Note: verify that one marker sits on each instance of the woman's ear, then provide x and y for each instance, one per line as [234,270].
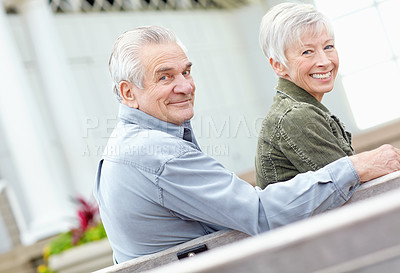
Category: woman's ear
[129,98]
[278,67]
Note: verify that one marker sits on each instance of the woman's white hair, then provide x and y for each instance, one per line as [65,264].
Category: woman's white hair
[284,24]
[125,63]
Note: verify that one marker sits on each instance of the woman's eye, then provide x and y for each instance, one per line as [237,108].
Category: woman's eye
[306,52]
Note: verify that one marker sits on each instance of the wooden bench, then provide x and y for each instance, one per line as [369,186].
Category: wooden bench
[328,240]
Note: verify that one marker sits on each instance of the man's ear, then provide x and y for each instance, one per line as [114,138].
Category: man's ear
[279,68]
[126,90]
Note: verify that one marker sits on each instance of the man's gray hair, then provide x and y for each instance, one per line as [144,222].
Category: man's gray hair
[125,63]
[284,24]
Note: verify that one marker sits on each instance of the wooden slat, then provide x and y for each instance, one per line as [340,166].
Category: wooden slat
[377,186]
[368,190]
[147,262]
[371,139]
[249,177]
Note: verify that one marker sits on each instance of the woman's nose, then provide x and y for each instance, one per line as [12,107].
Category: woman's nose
[323,59]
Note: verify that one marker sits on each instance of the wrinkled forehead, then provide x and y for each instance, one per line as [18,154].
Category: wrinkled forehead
[161,57]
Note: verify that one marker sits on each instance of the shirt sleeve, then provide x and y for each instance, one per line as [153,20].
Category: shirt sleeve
[197,187]
[308,140]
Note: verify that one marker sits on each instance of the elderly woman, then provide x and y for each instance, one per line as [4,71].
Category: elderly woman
[299,134]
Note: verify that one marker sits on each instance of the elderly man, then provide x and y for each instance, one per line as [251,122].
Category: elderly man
[156,188]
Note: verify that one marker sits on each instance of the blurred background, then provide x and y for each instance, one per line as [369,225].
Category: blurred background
[57,108]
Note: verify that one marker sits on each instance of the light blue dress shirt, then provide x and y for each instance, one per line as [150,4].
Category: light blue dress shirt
[156,189]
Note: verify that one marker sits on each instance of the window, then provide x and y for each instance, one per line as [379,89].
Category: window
[368,42]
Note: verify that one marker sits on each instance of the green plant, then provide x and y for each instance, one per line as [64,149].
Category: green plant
[90,229]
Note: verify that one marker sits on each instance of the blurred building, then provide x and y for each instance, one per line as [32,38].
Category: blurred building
[57,108]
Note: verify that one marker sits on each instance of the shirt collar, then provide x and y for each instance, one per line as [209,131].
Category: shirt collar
[296,93]
[131,115]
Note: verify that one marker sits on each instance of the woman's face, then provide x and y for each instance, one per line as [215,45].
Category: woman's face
[312,65]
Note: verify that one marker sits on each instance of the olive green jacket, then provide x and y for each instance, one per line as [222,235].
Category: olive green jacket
[299,134]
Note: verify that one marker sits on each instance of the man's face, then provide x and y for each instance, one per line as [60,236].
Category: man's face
[168,89]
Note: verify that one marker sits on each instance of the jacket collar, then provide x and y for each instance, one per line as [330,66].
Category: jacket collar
[296,93]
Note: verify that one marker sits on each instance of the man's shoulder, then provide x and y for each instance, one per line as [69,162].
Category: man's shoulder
[133,145]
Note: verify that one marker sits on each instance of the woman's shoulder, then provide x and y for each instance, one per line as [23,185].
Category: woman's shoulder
[305,112]
[287,108]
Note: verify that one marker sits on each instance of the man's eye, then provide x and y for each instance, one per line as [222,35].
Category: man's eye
[186,73]
[163,78]
[329,46]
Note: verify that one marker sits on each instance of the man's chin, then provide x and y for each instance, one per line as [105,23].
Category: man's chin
[182,116]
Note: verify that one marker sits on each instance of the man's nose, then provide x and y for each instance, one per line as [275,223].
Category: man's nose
[183,85]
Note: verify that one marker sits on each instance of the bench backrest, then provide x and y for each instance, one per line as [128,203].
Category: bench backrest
[334,239]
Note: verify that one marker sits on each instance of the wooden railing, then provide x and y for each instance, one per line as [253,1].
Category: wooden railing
[385,134]
[358,235]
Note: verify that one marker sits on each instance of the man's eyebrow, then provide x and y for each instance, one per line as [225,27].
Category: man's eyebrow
[163,69]
[167,68]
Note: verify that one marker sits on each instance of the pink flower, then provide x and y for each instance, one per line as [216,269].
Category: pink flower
[87,216]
